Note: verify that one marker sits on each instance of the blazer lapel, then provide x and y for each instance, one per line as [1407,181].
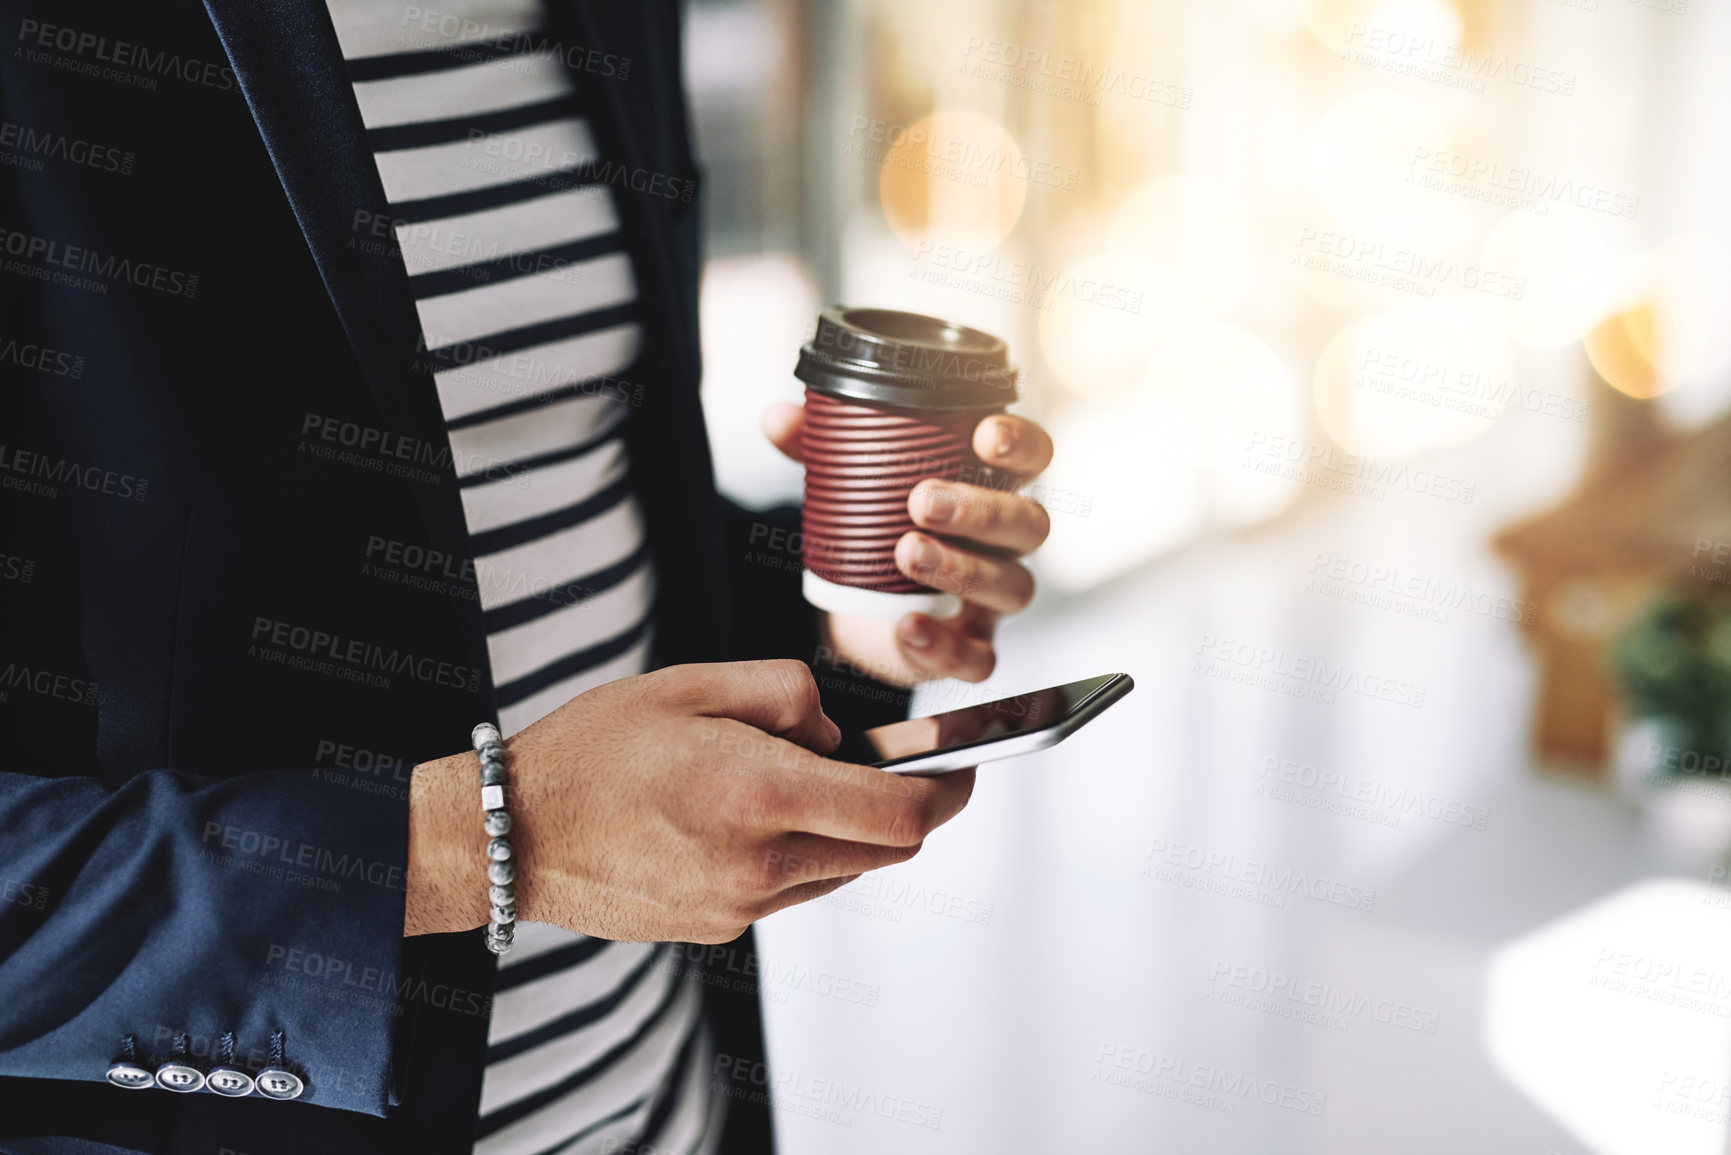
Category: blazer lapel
[290,68]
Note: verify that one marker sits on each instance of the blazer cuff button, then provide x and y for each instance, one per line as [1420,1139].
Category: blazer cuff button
[277,1083]
[130,1075]
[173,1076]
[229,1081]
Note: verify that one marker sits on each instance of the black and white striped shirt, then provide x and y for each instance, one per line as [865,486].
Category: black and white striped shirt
[527,304]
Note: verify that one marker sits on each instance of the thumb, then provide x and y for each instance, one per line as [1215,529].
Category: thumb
[778,697]
[784,425]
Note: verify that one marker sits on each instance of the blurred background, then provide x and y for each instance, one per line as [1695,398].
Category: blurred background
[1385,346]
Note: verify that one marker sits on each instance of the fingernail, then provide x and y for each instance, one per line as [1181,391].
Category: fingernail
[923,553]
[918,633]
[834,730]
[940,505]
[1006,438]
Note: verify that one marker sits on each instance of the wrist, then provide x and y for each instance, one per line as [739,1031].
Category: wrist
[447,874]
[866,648]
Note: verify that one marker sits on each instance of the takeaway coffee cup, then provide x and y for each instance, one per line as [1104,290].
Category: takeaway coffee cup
[891,399]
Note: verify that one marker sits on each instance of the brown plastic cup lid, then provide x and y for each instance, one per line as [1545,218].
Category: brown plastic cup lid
[891,359]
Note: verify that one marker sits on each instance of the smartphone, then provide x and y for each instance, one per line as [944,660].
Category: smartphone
[990,731]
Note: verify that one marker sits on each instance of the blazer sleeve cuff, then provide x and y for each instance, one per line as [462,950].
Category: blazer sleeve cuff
[269,906]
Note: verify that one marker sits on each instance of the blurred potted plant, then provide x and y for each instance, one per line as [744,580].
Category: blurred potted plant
[1673,669]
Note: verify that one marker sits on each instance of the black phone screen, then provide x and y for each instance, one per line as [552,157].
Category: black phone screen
[981,723]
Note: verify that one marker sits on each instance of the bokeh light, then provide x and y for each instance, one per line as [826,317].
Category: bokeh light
[1156,467]
[1686,286]
[1366,166]
[1413,379]
[1341,25]
[1102,320]
[1625,349]
[1117,468]
[1225,388]
[1554,276]
[952,176]
[1195,231]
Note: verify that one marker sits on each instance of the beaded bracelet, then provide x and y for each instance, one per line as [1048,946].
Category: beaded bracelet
[501,872]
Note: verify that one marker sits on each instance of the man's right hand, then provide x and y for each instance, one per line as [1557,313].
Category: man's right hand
[680,805]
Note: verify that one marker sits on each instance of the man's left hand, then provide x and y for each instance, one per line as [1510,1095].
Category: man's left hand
[983,532]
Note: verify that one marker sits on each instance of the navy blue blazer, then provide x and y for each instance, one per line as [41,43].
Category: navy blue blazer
[233,611]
